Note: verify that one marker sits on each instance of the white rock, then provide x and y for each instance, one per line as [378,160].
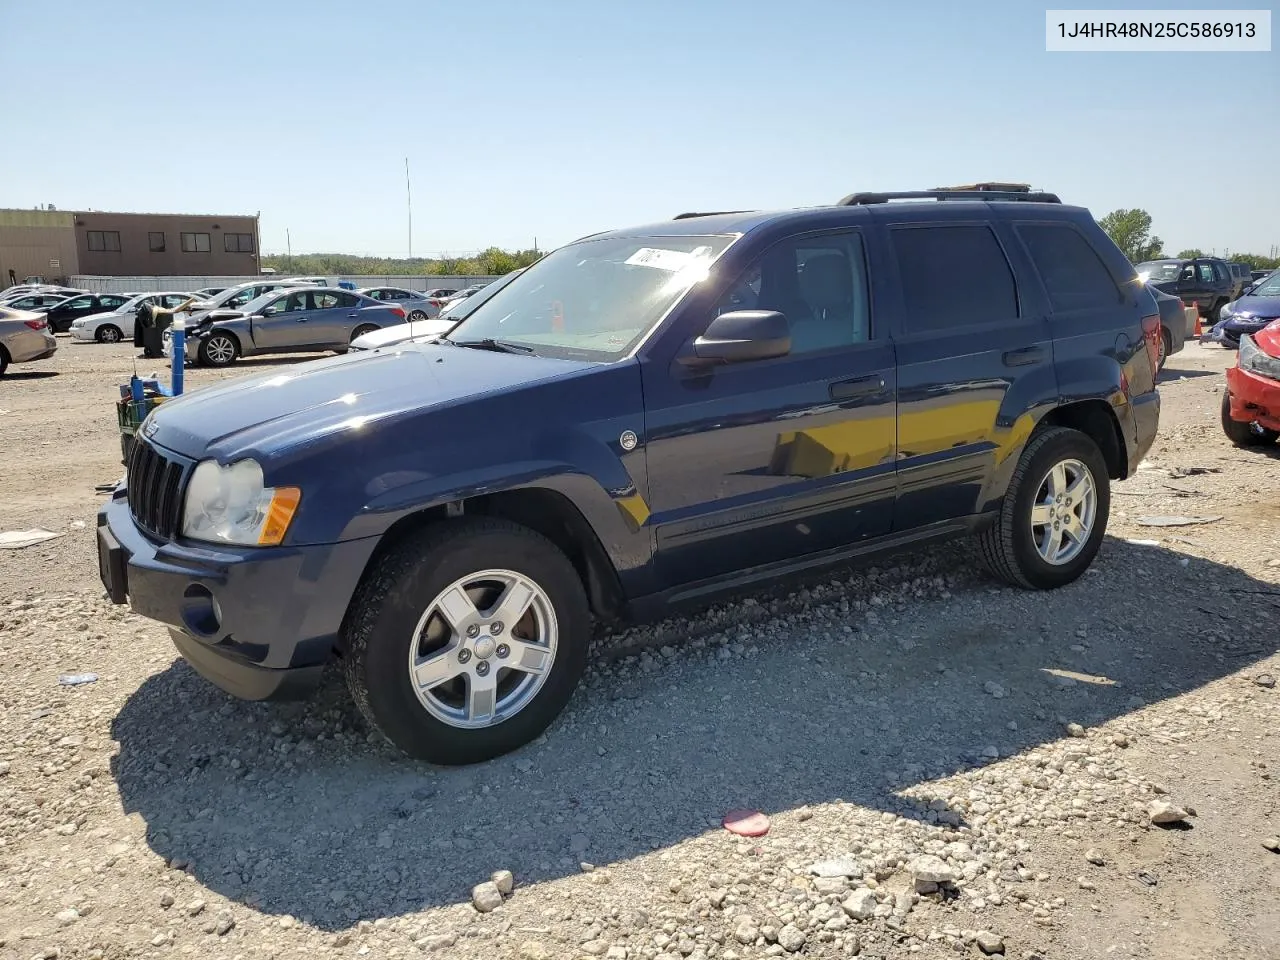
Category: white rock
[504,881]
[791,938]
[67,917]
[989,942]
[1075,730]
[1162,811]
[486,897]
[861,904]
[931,869]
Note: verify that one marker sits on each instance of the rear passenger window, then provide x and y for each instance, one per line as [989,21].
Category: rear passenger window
[953,277]
[1073,274]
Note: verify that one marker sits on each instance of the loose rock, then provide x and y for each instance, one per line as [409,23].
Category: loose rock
[504,881]
[989,943]
[861,904]
[1163,812]
[486,897]
[791,938]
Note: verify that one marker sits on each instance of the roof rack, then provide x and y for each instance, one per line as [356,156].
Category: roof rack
[709,213]
[976,192]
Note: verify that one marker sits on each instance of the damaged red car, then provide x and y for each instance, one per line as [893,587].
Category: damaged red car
[1251,402]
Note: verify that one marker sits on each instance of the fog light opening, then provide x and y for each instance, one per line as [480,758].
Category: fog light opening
[200,611]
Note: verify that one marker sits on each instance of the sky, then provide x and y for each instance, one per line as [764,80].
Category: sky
[526,121]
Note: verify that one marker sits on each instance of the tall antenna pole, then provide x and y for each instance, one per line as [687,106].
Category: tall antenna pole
[408,196]
[288,243]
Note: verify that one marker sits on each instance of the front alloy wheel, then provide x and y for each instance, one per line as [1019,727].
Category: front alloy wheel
[483,648]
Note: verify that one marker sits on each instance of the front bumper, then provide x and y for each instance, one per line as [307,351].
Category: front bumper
[1254,398]
[84,333]
[258,622]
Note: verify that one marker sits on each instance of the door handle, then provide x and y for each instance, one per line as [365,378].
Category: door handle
[300,320]
[1020,358]
[859,387]
[353,315]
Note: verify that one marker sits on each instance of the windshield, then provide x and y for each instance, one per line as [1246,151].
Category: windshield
[461,309]
[1268,287]
[595,299]
[131,305]
[259,303]
[1159,269]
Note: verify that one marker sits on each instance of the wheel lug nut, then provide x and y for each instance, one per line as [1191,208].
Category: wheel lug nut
[503,651]
[495,628]
[464,655]
[473,631]
[482,668]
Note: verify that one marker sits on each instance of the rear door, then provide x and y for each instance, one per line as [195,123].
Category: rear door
[975,358]
[334,318]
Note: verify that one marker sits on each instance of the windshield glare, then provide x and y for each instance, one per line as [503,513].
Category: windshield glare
[1267,286]
[595,299]
[1159,269]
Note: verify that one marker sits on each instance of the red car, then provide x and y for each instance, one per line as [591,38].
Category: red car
[1251,402]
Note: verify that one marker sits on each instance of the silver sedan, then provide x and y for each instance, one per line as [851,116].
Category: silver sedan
[415,302]
[24,336]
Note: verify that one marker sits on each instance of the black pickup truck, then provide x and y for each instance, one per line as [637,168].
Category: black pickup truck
[1205,281]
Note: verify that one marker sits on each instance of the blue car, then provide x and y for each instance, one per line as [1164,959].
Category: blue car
[1257,308]
[643,419]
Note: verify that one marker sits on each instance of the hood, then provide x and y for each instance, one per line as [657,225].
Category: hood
[1256,307]
[266,415]
[414,329]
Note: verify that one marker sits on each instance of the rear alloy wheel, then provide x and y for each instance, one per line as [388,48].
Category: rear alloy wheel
[1244,434]
[361,330]
[467,640]
[219,350]
[1054,514]
[417,315]
[108,334]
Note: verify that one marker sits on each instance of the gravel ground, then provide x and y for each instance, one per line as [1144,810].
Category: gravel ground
[950,767]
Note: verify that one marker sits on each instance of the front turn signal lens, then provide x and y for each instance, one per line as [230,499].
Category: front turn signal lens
[284,504]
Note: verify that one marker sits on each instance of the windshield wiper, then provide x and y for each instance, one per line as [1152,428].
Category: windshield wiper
[498,346]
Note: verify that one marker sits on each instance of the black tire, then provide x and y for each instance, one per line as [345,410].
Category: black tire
[1215,312]
[218,358]
[396,592]
[1166,347]
[1244,434]
[361,330]
[1007,546]
[4,360]
[109,333]
[417,315]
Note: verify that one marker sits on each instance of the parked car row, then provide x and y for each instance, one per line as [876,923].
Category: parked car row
[1248,315]
[1209,283]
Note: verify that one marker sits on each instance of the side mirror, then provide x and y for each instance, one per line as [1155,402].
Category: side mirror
[270,311]
[740,336]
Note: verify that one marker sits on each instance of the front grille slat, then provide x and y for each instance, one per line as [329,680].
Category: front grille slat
[154,487]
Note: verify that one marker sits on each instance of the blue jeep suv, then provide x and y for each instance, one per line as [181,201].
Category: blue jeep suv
[643,418]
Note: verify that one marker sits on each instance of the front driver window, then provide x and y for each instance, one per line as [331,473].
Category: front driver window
[818,283]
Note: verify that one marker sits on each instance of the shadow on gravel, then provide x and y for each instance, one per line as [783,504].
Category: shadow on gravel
[851,687]
[29,375]
[1172,373]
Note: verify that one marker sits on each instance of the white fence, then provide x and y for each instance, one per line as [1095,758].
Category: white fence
[143,284]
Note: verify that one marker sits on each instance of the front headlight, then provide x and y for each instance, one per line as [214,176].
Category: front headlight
[1253,359]
[231,505]
[1225,313]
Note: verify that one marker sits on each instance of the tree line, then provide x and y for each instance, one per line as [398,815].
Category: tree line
[1131,231]
[493,262]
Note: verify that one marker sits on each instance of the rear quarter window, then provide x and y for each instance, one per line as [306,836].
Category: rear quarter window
[1073,274]
[953,276]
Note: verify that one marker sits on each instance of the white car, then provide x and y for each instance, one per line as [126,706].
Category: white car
[117,325]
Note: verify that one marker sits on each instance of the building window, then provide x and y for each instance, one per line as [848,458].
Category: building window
[104,241]
[156,241]
[237,242]
[195,243]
